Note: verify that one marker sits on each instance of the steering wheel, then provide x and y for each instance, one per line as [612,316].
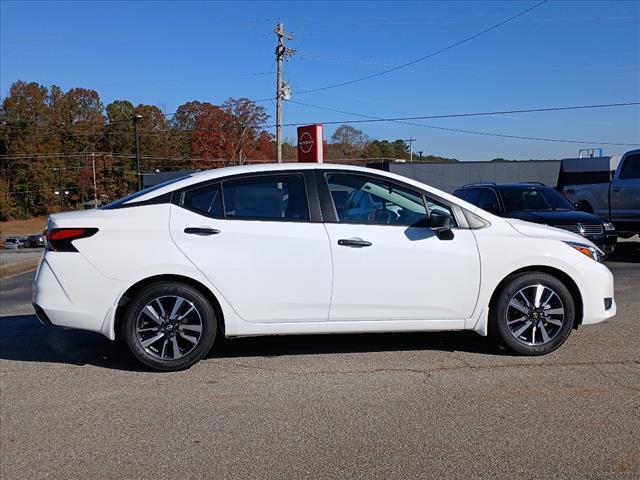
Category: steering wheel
[385,216]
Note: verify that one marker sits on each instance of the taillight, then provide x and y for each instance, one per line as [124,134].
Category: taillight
[59,239]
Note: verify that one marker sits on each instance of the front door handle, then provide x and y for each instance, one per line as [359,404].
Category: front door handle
[615,189]
[354,242]
[202,231]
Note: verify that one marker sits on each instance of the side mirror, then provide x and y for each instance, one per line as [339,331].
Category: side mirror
[439,221]
[580,206]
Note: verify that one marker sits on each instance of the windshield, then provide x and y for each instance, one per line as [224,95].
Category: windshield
[128,198]
[534,199]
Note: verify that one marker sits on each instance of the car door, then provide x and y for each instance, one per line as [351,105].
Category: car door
[625,193]
[254,239]
[387,269]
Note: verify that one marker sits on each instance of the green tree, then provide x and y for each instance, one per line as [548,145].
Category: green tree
[385,149]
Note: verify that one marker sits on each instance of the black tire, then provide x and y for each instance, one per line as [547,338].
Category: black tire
[507,318]
[162,354]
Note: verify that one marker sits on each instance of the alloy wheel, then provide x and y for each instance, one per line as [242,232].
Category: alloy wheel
[169,327]
[535,315]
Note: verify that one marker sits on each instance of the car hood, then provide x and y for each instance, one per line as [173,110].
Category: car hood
[544,231]
[554,217]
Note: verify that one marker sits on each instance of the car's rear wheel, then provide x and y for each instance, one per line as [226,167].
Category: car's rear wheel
[534,313]
[169,326]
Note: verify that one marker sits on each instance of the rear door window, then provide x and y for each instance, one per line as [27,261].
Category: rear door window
[205,200]
[266,197]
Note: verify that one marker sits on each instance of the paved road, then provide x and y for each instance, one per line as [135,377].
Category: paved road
[73,405]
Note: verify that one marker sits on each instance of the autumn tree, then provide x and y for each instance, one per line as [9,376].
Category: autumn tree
[49,137]
[26,120]
[232,133]
[184,123]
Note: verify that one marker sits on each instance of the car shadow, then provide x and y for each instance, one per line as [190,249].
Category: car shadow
[328,344]
[628,252]
[23,338]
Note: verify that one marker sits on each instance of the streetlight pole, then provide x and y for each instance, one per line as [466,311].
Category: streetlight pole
[135,128]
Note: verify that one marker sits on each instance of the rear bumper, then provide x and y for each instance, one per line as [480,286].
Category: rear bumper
[69,292]
[42,316]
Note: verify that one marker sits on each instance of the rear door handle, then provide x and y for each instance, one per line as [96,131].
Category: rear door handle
[202,231]
[354,242]
[615,189]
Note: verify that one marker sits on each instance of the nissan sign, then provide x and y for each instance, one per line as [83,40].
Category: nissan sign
[310,144]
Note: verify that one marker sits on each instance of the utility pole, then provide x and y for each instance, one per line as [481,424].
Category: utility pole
[410,140]
[135,127]
[95,188]
[282,53]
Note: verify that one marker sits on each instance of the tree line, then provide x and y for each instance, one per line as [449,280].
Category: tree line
[55,145]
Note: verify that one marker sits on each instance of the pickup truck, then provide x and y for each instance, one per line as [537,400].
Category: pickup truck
[617,200]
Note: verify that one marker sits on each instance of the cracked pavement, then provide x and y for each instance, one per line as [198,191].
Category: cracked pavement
[407,405]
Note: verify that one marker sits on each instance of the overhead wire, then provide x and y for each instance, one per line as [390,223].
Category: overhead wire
[375,119]
[475,132]
[425,57]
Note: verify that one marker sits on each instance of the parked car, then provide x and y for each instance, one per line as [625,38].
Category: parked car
[617,200]
[537,203]
[34,241]
[12,243]
[266,250]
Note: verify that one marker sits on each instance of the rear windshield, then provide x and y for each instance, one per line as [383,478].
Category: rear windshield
[135,195]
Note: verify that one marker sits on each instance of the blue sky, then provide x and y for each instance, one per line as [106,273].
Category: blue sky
[167,53]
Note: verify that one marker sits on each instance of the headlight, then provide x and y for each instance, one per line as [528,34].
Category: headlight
[608,226]
[591,252]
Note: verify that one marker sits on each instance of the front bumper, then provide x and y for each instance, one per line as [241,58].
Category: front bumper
[595,282]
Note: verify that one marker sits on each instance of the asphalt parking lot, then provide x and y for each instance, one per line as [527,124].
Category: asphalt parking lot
[74,405]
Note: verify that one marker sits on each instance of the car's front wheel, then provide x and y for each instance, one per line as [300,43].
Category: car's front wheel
[169,326]
[533,314]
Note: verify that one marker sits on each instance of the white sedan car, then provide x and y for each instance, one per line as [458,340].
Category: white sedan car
[290,249]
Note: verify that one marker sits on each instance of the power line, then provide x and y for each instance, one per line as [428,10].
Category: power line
[371,119]
[473,132]
[432,54]
[471,114]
